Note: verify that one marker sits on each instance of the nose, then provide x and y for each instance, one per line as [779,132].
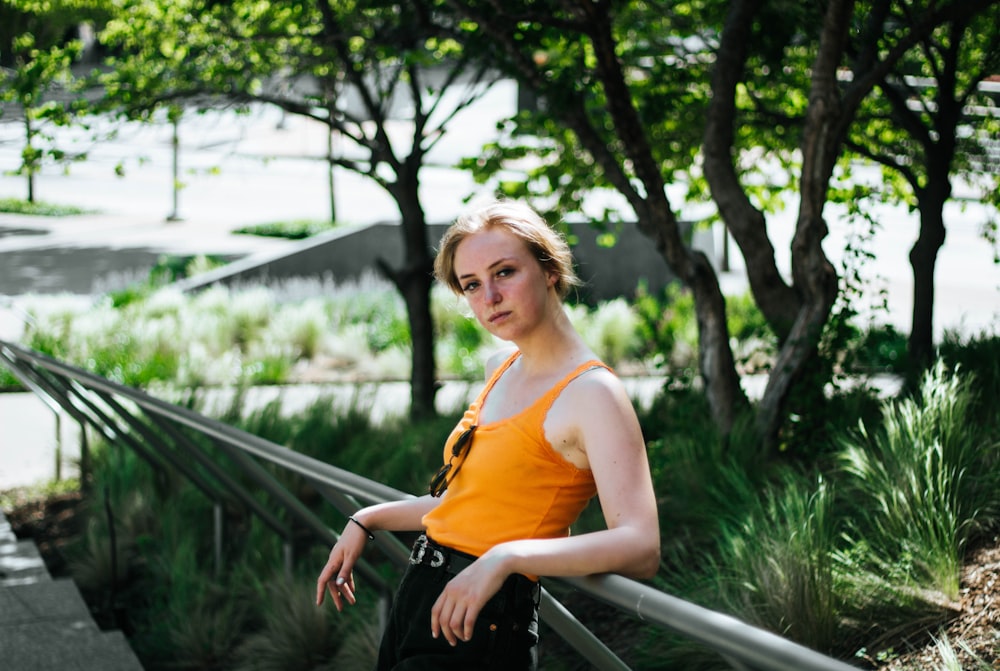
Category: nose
[493,295]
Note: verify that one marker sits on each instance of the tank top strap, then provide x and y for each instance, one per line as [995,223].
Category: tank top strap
[544,403]
[490,383]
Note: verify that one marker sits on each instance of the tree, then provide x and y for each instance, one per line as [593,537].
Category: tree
[599,88]
[354,66]
[36,78]
[843,75]
[599,71]
[931,122]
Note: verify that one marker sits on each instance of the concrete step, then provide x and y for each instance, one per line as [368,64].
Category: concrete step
[45,624]
[67,646]
[53,600]
[20,562]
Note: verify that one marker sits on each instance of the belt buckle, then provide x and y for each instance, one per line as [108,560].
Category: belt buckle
[420,549]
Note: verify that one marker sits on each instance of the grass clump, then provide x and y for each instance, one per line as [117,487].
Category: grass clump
[40,209]
[925,482]
[297,229]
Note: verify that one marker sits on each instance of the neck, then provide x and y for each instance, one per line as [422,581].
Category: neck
[554,347]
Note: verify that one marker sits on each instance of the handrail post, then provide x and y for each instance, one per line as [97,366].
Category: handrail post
[84,459]
[217,526]
[289,557]
[58,418]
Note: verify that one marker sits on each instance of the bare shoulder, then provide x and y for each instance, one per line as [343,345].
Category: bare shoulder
[596,396]
[593,420]
[597,384]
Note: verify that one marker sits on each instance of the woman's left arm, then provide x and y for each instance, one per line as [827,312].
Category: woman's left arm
[604,425]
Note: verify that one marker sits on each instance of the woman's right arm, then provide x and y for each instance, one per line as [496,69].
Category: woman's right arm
[337,576]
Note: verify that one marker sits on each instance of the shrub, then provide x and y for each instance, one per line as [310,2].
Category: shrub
[925,482]
[297,229]
[293,633]
[17,206]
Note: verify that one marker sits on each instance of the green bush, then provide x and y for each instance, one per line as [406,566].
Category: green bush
[17,206]
[168,268]
[297,229]
[925,481]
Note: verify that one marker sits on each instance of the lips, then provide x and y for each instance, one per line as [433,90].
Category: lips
[497,316]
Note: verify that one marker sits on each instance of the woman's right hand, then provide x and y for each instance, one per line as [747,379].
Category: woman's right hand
[337,576]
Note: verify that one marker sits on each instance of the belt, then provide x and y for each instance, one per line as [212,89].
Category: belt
[428,553]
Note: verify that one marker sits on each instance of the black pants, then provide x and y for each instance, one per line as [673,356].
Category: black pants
[504,637]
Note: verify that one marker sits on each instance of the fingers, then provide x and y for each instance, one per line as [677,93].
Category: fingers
[323,580]
[453,618]
[336,578]
[341,590]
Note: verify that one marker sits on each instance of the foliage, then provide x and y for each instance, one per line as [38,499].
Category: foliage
[833,557]
[41,209]
[366,70]
[19,496]
[292,230]
[980,356]
[458,337]
[293,634]
[168,269]
[39,71]
[932,125]
[538,155]
[151,332]
[779,558]
[925,483]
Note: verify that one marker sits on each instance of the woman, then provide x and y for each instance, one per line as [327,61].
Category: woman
[552,427]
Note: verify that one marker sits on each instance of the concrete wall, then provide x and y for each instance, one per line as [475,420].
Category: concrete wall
[344,255]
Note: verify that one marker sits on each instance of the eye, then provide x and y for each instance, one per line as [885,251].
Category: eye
[470,286]
[505,272]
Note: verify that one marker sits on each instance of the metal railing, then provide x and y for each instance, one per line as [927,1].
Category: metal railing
[155,430]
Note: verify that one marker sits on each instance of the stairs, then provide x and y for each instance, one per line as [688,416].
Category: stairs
[44,623]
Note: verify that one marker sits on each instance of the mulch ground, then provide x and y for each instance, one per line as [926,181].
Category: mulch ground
[974,634]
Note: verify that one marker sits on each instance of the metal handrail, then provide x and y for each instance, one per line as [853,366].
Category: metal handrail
[743,646]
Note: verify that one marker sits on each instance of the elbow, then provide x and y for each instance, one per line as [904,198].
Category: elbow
[646,563]
[649,566]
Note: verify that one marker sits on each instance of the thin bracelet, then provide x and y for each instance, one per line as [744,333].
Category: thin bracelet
[371,536]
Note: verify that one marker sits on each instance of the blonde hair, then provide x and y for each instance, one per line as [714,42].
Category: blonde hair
[546,244]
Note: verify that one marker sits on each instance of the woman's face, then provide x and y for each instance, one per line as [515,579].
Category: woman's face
[505,285]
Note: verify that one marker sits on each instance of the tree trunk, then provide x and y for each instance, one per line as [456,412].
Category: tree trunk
[657,221]
[778,302]
[814,277]
[939,155]
[29,164]
[715,356]
[923,257]
[413,281]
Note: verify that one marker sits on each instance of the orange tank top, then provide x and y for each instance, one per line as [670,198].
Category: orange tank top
[513,484]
